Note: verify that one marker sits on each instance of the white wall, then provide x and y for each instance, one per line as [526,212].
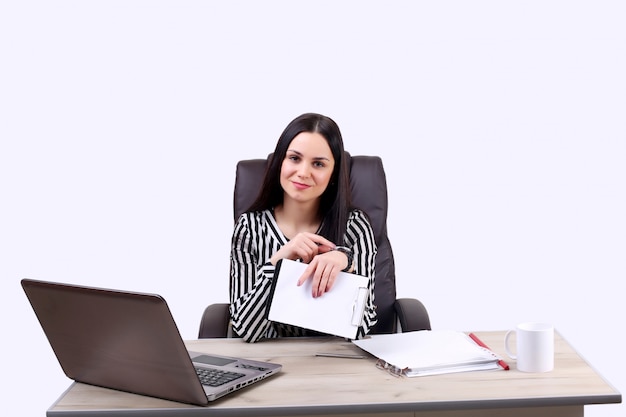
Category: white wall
[501,125]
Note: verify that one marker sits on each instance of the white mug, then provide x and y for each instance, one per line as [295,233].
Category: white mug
[534,347]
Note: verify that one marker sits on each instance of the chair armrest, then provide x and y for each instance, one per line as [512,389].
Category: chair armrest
[215,321]
[412,315]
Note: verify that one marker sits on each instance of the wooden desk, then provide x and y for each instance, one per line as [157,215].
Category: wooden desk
[310,385]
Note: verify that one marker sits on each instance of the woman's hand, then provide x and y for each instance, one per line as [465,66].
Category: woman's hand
[323,271]
[304,246]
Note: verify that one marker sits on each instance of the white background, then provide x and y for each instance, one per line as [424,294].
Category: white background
[501,125]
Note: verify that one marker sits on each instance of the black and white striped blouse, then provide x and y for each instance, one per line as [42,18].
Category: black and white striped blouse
[256,238]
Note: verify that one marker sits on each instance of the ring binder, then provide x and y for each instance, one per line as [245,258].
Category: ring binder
[428,352]
[393,370]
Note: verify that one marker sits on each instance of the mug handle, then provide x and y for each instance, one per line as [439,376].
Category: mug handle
[506,345]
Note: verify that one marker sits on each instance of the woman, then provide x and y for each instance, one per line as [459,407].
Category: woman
[303,212]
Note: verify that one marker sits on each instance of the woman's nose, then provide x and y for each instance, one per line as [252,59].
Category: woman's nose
[303,172]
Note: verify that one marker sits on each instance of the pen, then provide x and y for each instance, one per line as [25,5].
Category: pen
[479,342]
[339,355]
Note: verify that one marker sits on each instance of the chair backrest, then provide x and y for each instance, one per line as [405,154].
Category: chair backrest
[368,185]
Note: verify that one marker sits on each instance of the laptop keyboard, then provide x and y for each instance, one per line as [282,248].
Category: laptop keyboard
[216,377]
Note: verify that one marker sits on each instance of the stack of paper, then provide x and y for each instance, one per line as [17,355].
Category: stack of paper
[429,352]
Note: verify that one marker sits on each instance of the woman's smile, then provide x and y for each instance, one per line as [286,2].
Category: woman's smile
[300,186]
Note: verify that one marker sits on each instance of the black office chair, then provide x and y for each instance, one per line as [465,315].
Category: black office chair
[369,193]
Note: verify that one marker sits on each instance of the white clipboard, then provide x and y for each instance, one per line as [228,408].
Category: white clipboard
[338,312]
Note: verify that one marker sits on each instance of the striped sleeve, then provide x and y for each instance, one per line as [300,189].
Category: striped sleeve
[360,237]
[250,284]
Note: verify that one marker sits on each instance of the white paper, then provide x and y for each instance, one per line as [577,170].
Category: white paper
[337,312]
[428,352]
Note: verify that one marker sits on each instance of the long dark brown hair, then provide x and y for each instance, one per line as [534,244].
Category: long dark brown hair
[335,202]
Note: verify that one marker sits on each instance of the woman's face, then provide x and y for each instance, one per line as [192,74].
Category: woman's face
[307,167]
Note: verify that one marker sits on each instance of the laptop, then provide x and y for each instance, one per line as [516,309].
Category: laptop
[129,341]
